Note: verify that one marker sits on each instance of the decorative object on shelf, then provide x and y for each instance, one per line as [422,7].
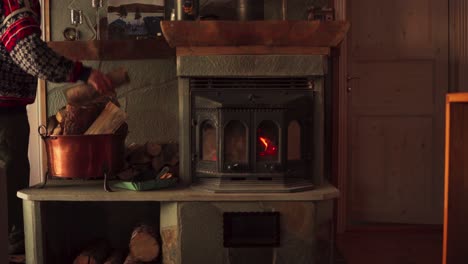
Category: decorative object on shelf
[320,13]
[250,10]
[187,9]
[70,33]
[134,19]
[284,9]
[97,4]
[76,19]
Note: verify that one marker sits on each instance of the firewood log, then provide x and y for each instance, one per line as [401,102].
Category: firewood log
[52,123]
[131,260]
[108,121]
[60,116]
[78,119]
[157,163]
[171,154]
[57,130]
[118,76]
[95,253]
[138,155]
[81,94]
[175,170]
[169,157]
[84,94]
[115,257]
[127,174]
[144,244]
[131,147]
[153,149]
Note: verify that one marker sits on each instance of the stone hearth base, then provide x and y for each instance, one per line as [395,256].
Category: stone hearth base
[192,232]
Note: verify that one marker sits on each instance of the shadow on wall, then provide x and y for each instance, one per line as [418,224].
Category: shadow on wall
[3,216]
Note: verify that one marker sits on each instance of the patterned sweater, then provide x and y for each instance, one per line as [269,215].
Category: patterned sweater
[24,57]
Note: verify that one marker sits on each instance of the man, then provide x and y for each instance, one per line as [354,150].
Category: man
[24,59]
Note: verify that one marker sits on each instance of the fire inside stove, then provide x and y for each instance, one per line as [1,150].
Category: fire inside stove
[251,130]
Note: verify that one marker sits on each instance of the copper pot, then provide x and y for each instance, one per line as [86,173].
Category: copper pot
[84,156]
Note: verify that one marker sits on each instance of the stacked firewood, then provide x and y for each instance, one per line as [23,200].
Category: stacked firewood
[89,112]
[150,159]
[144,248]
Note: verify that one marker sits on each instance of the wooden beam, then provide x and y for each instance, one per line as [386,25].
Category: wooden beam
[113,49]
[254,33]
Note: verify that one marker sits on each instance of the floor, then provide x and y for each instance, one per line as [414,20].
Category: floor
[14,259]
[387,246]
[394,246]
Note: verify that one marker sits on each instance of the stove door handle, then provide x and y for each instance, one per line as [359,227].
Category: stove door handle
[232,167]
[252,97]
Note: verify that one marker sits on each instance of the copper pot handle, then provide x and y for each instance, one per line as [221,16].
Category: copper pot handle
[42,130]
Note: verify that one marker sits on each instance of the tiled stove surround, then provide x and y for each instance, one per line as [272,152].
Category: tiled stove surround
[192,232]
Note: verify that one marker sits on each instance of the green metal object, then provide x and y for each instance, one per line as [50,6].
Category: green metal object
[147,185]
[146,181]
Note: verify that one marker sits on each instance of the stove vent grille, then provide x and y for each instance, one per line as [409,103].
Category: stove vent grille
[251,83]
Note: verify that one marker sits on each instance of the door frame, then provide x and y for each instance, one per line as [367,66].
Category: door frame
[339,168]
[37,112]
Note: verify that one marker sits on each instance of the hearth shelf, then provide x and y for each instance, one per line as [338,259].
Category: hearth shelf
[92,191]
[113,49]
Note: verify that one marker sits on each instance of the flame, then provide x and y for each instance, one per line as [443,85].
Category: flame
[264,142]
[270,148]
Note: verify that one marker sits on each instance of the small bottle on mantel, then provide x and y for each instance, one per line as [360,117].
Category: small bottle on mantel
[187,9]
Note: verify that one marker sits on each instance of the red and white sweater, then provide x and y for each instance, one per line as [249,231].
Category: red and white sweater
[24,57]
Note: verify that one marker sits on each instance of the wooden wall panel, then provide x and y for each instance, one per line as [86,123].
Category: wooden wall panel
[386,185]
[403,30]
[394,89]
[398,57]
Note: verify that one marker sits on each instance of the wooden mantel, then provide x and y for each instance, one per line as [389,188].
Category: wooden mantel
[254,37]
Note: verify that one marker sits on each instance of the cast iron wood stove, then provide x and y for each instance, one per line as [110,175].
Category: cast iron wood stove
[251,131]
[252,123]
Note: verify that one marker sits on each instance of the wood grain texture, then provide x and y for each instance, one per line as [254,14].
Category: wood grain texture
[456,184]
[110,119]
[113,49]
[398,79]
[256,33]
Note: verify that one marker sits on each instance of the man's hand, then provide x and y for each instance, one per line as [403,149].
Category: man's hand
[100,82]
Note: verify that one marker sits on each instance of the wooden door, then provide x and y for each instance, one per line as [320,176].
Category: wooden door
[398,77]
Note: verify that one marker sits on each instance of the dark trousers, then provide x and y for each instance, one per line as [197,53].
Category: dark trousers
[14,140]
